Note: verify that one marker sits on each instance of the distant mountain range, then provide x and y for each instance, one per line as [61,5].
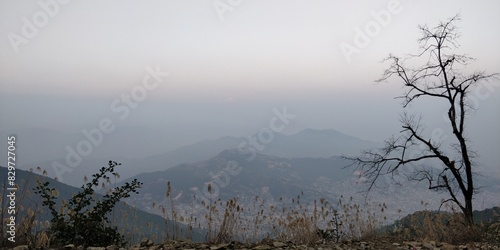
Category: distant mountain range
[306,143]
[233,175]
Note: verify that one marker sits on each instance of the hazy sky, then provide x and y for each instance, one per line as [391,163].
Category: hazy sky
[64,63]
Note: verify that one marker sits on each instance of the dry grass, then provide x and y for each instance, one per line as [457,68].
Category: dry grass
[292,220]
[428,225]
[286,220]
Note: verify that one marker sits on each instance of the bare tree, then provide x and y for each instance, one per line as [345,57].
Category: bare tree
[440,77]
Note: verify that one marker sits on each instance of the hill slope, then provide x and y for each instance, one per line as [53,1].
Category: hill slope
[132,222]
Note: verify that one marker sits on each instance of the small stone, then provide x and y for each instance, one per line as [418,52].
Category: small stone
[220,247]
[203,246]
[112,247]
[168,247]
[428,246]
[447,246]
[396,244]
[146,243]
[262,247]
[69,246]
[21,247]
[279,244]
[96,248]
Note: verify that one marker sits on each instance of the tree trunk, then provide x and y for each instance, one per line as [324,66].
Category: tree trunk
[469,218]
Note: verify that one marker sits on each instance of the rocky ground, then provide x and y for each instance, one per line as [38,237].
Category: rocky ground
[377,244]
[491,235]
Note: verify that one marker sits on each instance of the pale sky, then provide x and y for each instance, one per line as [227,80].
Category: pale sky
[227,69]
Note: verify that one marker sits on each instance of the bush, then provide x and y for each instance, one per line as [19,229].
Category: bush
[83,220]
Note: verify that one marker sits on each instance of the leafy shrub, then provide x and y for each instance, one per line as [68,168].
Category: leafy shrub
[83,220]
